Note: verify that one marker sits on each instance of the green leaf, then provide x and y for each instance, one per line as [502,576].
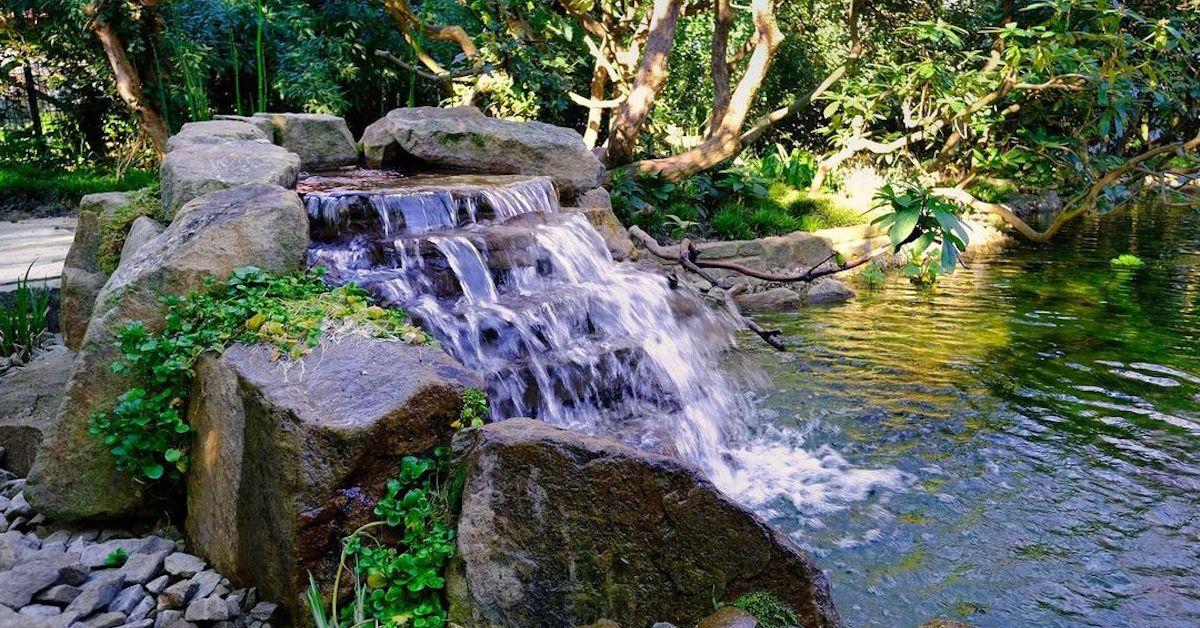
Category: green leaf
[906,221]
[949,257]
[153,471]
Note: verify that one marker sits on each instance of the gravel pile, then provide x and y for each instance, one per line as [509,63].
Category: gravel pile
[92,578]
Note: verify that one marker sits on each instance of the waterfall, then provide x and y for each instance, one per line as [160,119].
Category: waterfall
[529,297]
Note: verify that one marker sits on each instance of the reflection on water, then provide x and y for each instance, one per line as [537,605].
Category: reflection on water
[1040,415]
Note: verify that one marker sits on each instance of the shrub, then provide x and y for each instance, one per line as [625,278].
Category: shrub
[146,431]
[23,322]
[770,611]
[731,223]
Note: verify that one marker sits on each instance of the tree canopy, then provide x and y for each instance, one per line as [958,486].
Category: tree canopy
[1095,98]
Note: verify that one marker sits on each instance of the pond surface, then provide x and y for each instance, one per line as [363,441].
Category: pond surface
[1028,431]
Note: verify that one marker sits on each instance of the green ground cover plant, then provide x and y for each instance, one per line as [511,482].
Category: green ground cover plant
[32,181]
[146,431]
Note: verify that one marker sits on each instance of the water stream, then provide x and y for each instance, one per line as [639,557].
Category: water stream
[1016,447]
[1043,409]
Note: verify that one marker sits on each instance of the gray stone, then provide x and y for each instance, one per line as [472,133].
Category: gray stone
[182,565]
[128,599]
[828,290]
[179,593]
[140,568]
[142,610]
[137,623]
[728,617]
[194,170]
[557,528]
[143,230]
[172,619]
[260,225]
[105,620]
[97,556]
[595,198]
[207,609]
[29,399]
[322,141]
[464,138]
[309,438]
[18,506]
[19,584]
[41,610]
[773,300]
[206,583]
[262,124]
[158,585]
[216,132]
[263,611]
[61,595]
[12,619]
[96,595]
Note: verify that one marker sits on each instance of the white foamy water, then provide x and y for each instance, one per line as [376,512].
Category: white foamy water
[562,333]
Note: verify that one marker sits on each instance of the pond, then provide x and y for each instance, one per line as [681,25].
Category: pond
[1018,446]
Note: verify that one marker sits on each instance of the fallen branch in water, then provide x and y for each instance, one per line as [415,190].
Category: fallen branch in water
[687,256]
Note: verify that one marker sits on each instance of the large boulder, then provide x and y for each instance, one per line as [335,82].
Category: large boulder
[561,529]
[289,458]
[194,169]
[252,225]
[215,132]
[322,141]
[463,138]
[82,277]
[29,398]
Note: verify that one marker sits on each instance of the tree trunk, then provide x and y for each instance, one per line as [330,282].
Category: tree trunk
[129,84]
[628,120]
[724,141]
[35,115]
[722,23]
[595,114]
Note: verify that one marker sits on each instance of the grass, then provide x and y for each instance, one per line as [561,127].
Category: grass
[784,209]
[23,323]
[33,181]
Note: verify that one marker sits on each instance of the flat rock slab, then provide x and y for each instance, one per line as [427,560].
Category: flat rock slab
[42,242]
[465,139]
[194,169]
[322,141]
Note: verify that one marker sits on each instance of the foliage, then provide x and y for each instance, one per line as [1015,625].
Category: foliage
[1127,260]
[399,561]
[23,320]
[146,431]
[873,275]
[769,610]
[114,226]
[116,558]
[931,224]
[474,411]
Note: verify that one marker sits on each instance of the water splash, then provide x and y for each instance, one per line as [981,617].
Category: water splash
[529,297]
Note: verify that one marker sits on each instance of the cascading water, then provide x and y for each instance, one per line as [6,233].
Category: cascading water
[529,297]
